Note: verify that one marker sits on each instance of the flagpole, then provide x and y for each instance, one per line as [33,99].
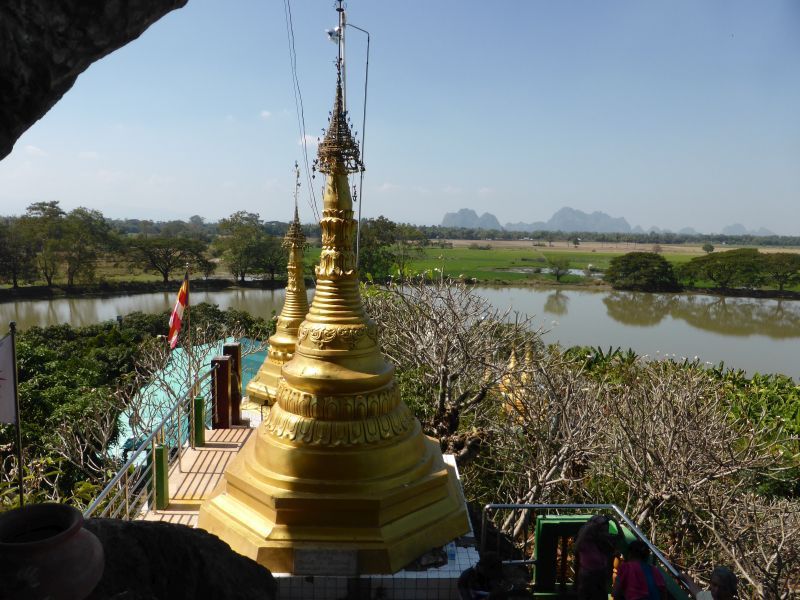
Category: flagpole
[13,327]
[189,358]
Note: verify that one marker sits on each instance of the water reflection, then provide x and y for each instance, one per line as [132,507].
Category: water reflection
[641,310]
[556,303]
[778,319]
[85,311]
[680,325]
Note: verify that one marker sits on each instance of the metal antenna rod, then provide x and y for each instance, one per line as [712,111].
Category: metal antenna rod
[342,23]
[363,134]
[296,185]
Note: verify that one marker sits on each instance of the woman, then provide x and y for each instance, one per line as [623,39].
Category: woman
[594,549]
[636,578]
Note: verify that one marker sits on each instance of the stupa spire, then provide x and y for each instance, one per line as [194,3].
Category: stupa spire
[340,463]
[263,387]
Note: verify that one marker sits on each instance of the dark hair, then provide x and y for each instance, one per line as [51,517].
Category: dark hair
[726,578]
[594,530]
[637,549]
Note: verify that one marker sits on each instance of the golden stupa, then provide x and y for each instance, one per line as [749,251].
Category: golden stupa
[264,386]
[339,474]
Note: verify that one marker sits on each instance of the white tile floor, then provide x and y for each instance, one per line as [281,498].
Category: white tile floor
[433,584]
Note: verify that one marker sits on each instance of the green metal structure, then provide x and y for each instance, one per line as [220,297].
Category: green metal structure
[551,559]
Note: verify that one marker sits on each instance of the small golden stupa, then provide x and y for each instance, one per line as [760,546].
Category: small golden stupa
[339,474]
[263,387]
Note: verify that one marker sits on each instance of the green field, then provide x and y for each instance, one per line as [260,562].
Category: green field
[515,264]
[509,265]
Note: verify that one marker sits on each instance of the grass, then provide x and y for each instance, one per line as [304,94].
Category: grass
[502,265]
[498,264]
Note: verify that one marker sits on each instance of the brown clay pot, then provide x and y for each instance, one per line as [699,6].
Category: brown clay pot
[46,553]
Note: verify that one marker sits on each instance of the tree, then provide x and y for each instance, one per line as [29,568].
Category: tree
[407,246]
[272,257]
[17,252]
[689,272]
[86,234]
[538,450]
[375,257]
[677,448]
[725,269]
[782,268]
[643,271]
[164,255]
[452,340]
[708,248]
[242,244]
[46,222]
[559,266]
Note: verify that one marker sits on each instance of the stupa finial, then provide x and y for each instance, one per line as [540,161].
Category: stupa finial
[338,151]
[264,385]
[295,238]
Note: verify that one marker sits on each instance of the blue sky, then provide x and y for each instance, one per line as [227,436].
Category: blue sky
[679,113]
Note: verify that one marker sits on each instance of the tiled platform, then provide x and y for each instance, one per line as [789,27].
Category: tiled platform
[196,475]
[193,479]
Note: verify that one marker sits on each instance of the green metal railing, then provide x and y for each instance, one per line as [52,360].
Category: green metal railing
[143,481]
[552,550]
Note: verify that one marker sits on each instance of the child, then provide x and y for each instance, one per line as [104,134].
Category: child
[636,578]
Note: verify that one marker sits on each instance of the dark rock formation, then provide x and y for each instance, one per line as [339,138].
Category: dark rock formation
[46,45]
[468,218]
[738,229]
[147,561]
[569,219]
[735,229]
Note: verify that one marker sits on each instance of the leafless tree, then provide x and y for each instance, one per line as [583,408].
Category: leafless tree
[453,340]
[689,465]
[529,425]
[760,536]
[86,440]
[548,431]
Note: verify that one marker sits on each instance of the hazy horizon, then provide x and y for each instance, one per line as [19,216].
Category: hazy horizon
[678,114]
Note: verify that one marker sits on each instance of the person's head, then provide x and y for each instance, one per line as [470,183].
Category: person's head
[638,550]
[593,530]
[723,584]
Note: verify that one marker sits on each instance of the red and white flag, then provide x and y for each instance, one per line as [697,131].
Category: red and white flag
[8,412]
[176,318]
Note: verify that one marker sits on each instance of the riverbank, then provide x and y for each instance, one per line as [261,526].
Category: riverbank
[126,288]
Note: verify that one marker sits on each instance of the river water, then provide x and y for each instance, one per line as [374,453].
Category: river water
[752,334]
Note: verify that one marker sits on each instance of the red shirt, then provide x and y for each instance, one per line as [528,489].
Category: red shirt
[632,583]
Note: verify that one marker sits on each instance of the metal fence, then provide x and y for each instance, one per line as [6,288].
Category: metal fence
[132,491]
[528,512]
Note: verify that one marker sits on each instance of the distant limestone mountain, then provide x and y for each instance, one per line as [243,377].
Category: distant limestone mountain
[468,218]
[570,219]
[735,229]
[739,229]
[762,231]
